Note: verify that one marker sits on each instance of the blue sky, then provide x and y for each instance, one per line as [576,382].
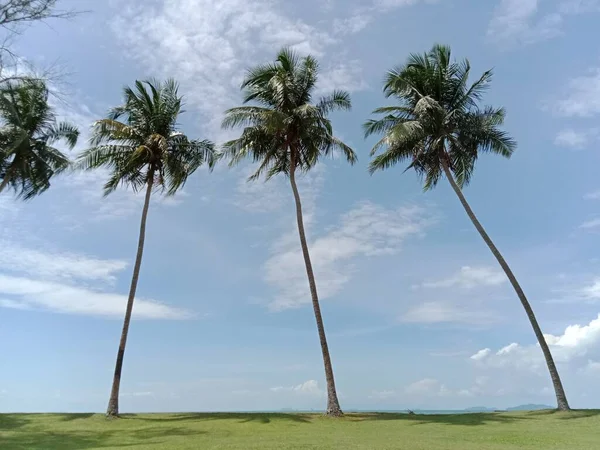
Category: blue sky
[417,312]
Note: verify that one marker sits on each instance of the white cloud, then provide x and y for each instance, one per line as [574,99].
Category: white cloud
[582,98]
[592,195]
[481,354]
[346,75]
[579,6]
[592,292]
[427,387]
[470,278]
[385,5]
[33,278]
[366,231]
[310,388]
[517,22]
[353,24]
[575,347]
[27,293]
[15,258]
[446,312]
[590,224]
[575,139]
[383,395]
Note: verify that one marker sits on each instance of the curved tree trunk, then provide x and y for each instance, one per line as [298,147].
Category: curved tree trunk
[561,398]
[333,405]
[113,403]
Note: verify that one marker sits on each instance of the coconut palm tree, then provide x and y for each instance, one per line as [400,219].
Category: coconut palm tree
[28,131]
[286,133]
[143,150]
[439,128]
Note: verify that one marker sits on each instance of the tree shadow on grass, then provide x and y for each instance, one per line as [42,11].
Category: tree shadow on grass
[567,415]
[81,440]
[470,419]
[241,417]
[9,422]
[70,417]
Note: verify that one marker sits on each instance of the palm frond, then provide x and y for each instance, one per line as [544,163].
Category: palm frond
[63,131]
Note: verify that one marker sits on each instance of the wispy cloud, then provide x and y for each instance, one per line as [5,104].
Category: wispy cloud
[582,96]
[310,387]
[518,22]
[590,224]
[469,278]
[592,195]
[70,283]
[29,293]
[575,139]
[431,312]
[427,387]
[368,230]
[347,74]
[64,265]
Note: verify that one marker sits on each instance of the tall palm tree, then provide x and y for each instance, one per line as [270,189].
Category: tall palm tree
[440,129]
[28,131]
[144,150]
[286,133]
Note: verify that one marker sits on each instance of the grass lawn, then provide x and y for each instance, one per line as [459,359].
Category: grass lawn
[541,430]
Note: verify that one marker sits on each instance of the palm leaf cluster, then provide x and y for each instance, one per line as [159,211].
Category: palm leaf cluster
[140,139]
[28,132]
[286,127]
[438,119]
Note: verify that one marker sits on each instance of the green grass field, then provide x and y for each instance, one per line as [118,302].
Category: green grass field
[541,430]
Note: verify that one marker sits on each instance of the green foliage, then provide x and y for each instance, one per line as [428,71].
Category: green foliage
[146,142]
[438,119]
[285,127]
[547,430]
[28,132]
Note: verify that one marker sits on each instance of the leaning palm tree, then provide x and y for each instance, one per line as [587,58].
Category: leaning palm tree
[144,150]
[286,133]
[28,132]
[440,129]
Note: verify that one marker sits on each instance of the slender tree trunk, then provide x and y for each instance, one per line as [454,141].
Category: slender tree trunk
[561,398]
[113,403]
[333,405]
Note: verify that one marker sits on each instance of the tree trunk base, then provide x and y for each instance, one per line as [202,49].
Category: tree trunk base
[563,408]
[112,412]
[334,412]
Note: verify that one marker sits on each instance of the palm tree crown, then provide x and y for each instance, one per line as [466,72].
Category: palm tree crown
[438,120]
[147,142]
[285,129]
[28,131]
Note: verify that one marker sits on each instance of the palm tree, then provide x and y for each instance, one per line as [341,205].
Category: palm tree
[145,150]
[286,133]
[28,132]
[440,129]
